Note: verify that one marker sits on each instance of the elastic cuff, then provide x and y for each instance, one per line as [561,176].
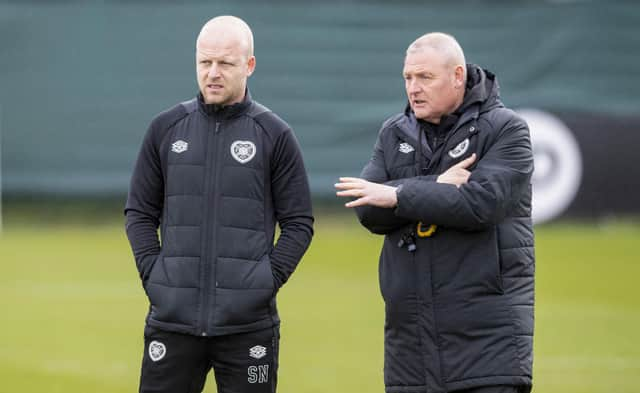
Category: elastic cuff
[398,191]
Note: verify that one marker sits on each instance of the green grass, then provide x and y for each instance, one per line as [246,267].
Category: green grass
[73,311]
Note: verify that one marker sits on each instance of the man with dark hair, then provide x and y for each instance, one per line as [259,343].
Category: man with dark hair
[215,174]
[449,186]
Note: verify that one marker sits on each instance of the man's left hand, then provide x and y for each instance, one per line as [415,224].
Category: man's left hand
[366,192]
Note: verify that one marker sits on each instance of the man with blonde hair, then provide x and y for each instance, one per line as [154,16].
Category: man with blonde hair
[216,174]
[449,185]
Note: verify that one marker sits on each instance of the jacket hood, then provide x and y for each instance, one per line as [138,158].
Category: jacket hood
[482,89]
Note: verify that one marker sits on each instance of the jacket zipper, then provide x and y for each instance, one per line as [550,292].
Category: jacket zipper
[210,228]
[437,152]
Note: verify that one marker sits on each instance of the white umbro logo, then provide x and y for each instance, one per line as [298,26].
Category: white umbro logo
[179,146]
[405,148]
[157,350]
[258,352]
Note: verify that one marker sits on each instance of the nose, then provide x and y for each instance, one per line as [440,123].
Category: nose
[413,87]
[213,71]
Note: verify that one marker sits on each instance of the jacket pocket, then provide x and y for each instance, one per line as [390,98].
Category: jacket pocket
[158,273]
[153,264]
[245,290]
[403,346]
[497,263]
[172,304]
[476,339]
[397,270]
[237,273]
[146,266]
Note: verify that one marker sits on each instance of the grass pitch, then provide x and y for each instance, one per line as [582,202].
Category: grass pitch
[73,310]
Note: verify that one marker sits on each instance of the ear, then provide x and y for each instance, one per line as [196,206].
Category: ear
[251,65]
[458,76]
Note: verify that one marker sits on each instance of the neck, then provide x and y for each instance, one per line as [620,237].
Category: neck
[227,109]
[451,109]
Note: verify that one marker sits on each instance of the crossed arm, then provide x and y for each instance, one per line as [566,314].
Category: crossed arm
[382,195]
[458,198]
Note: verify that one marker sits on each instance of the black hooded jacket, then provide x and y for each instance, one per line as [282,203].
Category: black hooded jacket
[216,181]
[459,303]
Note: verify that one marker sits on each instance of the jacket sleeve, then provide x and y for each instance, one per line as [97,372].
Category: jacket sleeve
[499,179]
[376,219]
[145,203]
[292,202]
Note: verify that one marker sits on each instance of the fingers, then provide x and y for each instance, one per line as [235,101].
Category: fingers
[352,187]
[349,186]
[348,183]
[466,162]
[357,202]
[351,180]
[456,177]
[350,193]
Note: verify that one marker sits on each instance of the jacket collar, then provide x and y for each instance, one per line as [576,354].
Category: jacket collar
[481,95]
[227,111]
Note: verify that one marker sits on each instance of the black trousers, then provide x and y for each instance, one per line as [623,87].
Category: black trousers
[497,389]
[179,363]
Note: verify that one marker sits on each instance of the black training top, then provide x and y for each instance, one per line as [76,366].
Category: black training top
[215,181]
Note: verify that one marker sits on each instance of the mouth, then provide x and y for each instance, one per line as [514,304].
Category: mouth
[418,102]
[215,86]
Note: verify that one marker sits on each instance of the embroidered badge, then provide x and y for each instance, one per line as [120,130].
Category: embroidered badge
[460,149]
[243,151]
[157,350]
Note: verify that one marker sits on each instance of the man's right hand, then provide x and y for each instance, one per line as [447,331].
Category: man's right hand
[458,174]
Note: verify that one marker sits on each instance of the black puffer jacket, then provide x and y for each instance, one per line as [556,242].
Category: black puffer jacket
[216,181]
[459,309]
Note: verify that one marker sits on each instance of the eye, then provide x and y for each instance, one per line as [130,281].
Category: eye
[205,62]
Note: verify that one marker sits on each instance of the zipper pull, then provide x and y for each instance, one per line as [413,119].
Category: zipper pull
[409,240]
[411,243]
